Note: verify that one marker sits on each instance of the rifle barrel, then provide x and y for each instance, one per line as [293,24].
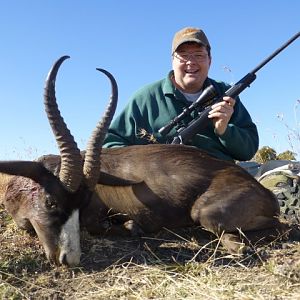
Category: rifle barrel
[275,53]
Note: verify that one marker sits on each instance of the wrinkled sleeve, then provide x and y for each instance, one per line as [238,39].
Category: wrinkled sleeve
[123,129]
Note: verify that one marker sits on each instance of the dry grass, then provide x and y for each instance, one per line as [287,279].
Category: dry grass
[187,264]
[3,184]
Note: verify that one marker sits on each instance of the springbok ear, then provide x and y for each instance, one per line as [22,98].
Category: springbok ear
[30,169]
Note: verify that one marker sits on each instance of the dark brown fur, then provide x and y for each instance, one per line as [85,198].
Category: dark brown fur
[150,187]
[178,186]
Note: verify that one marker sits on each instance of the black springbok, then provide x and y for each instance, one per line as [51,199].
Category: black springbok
[47,194]
[150,186]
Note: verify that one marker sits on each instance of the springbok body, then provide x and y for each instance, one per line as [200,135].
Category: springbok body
[155,186]
[177,185]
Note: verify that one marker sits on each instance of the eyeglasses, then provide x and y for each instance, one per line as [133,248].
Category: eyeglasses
[185,57]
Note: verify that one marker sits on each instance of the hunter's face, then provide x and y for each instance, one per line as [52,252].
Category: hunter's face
[190,63]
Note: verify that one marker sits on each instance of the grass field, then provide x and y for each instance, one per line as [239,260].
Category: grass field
[165,266]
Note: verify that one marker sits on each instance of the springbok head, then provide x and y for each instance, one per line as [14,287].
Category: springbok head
[48,193]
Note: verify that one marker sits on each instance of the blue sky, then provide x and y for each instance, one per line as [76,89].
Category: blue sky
[132,40]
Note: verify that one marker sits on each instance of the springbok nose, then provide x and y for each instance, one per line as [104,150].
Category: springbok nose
[69,259]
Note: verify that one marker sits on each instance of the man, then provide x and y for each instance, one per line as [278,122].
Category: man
[230,135]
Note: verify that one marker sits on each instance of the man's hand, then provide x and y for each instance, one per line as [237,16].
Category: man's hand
[221,113]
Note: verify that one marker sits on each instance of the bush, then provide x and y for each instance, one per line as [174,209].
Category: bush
[267,153]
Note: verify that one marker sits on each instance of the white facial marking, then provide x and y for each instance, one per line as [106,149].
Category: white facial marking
[69,240]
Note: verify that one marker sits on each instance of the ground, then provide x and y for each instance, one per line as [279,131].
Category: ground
[187,264]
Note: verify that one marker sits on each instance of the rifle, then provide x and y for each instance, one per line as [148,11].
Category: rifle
[208,98]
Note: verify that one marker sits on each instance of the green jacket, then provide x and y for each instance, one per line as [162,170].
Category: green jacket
[155,105]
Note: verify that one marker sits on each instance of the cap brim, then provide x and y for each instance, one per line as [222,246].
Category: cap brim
[190,40]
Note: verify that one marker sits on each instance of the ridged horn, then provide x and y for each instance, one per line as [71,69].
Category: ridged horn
[92,163]
[71,162]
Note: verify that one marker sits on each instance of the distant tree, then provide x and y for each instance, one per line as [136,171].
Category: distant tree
[265,154]
[289,155]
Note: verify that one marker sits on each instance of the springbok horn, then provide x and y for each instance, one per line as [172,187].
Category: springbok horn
[92,163]
[71,161]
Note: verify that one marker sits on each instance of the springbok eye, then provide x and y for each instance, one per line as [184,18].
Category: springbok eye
[50,202]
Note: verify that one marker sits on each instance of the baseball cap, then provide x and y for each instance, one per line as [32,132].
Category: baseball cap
[189,34]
